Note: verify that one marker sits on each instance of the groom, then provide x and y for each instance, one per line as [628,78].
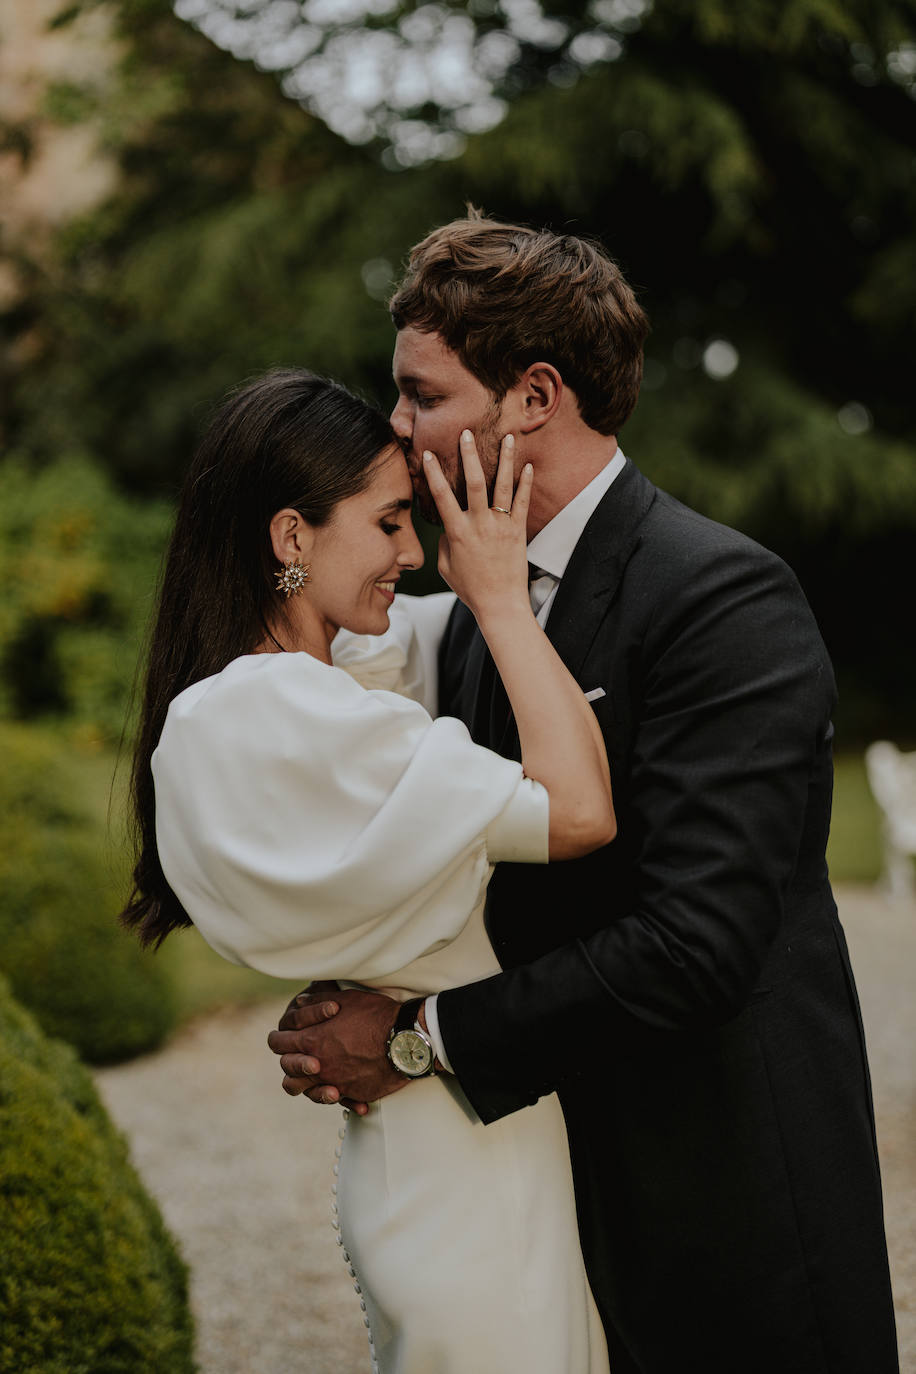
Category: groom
[686,990]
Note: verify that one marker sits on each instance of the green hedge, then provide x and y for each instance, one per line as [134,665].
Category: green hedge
[90,1281]
[61,886]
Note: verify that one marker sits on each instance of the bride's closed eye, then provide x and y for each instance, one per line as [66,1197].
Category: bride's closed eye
[388,528]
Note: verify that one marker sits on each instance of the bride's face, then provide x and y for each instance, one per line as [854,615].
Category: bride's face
[358,556]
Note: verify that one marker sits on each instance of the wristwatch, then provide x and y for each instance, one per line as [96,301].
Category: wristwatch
[410,1049]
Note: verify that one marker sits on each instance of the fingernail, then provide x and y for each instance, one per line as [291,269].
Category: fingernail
[527,468]
[427,456]
[301,999]
[466,435]
[330,1008]
[509,441]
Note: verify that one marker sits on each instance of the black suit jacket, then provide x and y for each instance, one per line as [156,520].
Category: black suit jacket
[687,989]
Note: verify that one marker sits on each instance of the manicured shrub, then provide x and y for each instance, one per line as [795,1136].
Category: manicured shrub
[61,886]
[90,1280]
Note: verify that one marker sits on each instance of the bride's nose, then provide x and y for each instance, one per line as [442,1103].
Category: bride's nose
[411,556]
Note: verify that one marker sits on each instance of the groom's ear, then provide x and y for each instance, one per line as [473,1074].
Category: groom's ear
[538,393]
[291,536]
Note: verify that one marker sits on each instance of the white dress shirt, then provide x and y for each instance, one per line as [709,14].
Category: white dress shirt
[550,551]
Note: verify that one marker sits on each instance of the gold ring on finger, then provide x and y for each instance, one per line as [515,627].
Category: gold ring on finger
[502,510]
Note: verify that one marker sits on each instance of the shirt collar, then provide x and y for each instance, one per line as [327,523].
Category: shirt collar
[552,547]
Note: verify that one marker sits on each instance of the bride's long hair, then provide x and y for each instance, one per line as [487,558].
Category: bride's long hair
[288,438]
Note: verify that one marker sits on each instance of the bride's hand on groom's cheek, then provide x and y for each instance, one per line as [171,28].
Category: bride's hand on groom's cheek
[332,1046]
[483,548]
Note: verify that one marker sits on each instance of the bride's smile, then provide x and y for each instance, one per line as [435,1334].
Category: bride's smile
[355,559]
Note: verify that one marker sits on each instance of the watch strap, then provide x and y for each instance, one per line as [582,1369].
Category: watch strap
[408,1017]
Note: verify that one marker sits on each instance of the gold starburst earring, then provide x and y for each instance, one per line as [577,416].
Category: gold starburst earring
[293,577]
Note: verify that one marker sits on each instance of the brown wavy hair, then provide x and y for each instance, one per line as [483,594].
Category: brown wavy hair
[502,296]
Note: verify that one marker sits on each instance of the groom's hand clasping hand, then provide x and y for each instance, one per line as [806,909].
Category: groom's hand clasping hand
[332,1045]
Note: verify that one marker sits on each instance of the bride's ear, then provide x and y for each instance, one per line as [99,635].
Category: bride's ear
[291,536]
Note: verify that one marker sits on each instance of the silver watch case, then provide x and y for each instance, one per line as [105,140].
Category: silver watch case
[411,1053]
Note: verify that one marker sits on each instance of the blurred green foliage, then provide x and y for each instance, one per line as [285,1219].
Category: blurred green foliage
[204,981]
[750,166]
[61,886]
[855,851]
[90,1281]
[78,562]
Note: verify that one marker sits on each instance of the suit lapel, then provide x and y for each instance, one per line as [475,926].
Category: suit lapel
[492,713]
[585,593]
[597,565]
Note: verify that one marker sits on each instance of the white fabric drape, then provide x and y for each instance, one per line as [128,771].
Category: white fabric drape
[312,828]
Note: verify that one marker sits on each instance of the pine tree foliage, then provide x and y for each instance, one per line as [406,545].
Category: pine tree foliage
[751,166]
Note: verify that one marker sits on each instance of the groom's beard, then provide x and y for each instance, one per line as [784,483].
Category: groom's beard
[487,437]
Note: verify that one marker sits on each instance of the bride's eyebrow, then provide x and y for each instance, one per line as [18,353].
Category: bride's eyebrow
[402,504]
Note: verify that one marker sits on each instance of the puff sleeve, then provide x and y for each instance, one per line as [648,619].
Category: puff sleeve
[312,828]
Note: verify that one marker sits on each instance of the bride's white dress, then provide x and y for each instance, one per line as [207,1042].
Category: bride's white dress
[316,826]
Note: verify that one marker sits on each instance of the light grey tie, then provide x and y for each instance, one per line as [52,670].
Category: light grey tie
[540,585]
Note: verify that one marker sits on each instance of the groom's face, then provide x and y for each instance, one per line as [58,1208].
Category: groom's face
[437,398]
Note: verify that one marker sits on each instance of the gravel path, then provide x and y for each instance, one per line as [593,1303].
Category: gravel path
[243,1173]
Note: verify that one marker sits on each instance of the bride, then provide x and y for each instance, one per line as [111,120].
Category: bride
[296,801]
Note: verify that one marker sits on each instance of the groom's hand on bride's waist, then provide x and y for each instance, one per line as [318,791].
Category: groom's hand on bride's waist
[332,1046]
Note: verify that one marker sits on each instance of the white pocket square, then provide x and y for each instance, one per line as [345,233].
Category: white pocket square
[595,694]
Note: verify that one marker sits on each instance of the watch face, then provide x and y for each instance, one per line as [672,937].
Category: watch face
[410,1053]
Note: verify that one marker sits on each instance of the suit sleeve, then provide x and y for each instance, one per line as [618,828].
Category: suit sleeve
[736,694]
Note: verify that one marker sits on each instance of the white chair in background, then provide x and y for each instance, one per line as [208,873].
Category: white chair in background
[892,779]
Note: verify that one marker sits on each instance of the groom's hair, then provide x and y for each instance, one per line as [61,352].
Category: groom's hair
[502,296]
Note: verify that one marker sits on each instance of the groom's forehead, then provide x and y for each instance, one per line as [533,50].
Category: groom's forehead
[417,355]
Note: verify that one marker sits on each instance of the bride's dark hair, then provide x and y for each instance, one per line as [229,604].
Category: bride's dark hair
[288,438]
